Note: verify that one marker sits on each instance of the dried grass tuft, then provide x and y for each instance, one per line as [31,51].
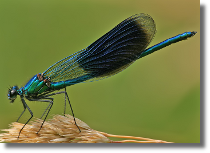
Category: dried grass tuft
[62,129]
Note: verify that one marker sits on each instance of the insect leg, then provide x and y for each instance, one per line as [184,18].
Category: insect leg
[25,106]
[66,95]
[49,106]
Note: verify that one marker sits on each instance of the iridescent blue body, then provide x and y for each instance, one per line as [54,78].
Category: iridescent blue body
[110,54]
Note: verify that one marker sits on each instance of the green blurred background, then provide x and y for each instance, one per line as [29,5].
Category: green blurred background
[157,97]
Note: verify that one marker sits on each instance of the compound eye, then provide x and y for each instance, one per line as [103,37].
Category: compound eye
[12,94]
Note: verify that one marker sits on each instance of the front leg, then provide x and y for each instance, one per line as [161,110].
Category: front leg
[25,106]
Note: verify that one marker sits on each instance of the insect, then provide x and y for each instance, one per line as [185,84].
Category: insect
[108,55]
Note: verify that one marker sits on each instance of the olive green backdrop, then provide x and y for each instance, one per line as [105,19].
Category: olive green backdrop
[157,97]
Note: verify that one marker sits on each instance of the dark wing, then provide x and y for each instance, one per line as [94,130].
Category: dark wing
[110,54]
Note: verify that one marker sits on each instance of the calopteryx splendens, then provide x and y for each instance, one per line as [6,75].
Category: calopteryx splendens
[108,55]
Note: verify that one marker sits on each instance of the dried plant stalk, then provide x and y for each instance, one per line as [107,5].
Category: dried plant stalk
[62,129]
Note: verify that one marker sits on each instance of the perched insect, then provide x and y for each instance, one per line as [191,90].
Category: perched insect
[108,55]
